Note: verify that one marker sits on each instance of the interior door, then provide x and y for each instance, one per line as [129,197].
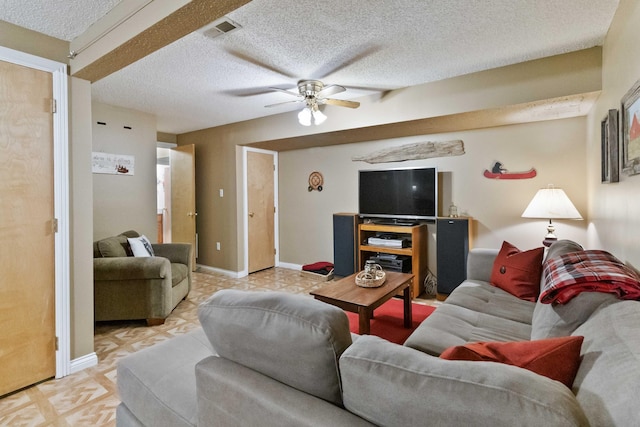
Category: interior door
[261,210]
[183,197]
[27,258]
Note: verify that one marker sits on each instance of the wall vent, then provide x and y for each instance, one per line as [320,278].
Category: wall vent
[219,27]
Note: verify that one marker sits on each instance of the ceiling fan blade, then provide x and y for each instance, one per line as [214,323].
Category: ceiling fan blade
[288,92]
[340,102]
[351,58]
[282,103]
[254,61]
[330,90]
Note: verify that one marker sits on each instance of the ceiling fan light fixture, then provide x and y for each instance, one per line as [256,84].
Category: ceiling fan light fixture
[304,116]
[318,116]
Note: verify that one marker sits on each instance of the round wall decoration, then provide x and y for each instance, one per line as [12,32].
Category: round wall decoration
[315,181]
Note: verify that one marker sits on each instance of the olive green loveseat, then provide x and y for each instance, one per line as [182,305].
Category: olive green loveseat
[128,287]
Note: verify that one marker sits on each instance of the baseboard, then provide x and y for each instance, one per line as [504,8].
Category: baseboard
[83,362]
[290,266]
[233,274]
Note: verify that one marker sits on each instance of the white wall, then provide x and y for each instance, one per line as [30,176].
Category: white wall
[556,149]
[614,209]
[123,202]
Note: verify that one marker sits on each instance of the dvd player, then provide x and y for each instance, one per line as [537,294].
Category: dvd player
[401,263]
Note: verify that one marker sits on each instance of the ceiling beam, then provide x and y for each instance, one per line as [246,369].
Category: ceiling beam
[112,54]
[551,109]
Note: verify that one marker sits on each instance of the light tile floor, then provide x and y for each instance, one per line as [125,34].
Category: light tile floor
[90,397]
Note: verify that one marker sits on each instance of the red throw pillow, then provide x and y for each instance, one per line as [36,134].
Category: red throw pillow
[518,272]
[555,358]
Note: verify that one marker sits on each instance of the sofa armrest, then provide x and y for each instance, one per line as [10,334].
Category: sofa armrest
[480,263]
[232,394]
[175,252]
[131,268]
[378,375]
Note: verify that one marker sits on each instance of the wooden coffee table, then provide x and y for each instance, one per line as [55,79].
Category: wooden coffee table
[345,294]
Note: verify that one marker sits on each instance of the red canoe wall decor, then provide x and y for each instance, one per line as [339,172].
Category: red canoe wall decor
[498,172]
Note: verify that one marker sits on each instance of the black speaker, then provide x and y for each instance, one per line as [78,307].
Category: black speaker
[452,242]
[345,243]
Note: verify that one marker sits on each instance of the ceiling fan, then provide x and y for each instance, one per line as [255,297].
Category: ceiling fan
[314,93]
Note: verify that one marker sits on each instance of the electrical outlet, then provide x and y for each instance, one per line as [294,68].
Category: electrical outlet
[217,246]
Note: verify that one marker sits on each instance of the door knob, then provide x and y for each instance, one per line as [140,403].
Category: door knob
[251,214]
[192,214]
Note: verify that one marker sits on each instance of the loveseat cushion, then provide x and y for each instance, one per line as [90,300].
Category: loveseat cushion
[292,338]
[392,385]
[112,247]
[179,272]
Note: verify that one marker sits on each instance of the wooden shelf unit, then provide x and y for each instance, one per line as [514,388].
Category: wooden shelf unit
[417,251]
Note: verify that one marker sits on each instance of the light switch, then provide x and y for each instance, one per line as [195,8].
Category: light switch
[221,192]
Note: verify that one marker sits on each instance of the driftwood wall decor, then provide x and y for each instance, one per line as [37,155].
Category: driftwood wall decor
[415,151]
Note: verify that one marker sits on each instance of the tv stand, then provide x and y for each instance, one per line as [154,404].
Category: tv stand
[417,251]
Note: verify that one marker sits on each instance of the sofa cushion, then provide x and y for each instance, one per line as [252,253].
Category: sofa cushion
[608,382]
[392,385]
[558,320]
[112,247]
[555,358]
[158,384]
[291,338]
[518,272]
[475,311]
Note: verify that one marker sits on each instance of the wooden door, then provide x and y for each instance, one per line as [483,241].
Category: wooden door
[183,197]
[261,210]
[27,258]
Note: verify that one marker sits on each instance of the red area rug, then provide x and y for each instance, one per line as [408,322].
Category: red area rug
[388,320]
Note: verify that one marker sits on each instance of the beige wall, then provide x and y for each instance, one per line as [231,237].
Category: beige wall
[496,205]
[125,202]
[614,209]
[81,190]
[18,38]
[218,162]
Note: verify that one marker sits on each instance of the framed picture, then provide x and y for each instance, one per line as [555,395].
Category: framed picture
[609,138]
[630,119]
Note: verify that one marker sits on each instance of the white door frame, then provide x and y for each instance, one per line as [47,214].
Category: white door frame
[245,207]
[61,195]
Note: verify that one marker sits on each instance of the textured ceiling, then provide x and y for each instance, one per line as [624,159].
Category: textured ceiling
[365,45]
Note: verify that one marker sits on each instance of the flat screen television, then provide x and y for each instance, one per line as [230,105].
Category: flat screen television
[398,194]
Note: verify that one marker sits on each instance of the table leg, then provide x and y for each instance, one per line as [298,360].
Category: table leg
[408,315]
[364,317]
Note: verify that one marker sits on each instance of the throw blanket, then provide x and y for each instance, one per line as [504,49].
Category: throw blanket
[587,271]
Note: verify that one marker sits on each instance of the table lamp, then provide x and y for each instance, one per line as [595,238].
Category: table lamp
[551,203]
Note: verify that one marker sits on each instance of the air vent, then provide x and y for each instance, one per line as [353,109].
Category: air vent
[217,28]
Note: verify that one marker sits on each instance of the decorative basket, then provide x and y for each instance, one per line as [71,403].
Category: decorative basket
[373,279]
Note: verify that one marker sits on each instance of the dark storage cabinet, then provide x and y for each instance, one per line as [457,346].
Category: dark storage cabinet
[452,242]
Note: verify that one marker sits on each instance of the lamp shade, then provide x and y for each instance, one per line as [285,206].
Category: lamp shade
[551,203]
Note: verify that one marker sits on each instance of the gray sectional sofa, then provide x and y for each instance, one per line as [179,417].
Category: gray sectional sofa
[273,359]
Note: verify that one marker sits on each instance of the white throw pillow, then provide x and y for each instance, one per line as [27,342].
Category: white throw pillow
[140,246]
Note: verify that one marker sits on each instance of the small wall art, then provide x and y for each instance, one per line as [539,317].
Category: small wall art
[112,164]
[630,112]
[609,148]
[498,171]
[316,181]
